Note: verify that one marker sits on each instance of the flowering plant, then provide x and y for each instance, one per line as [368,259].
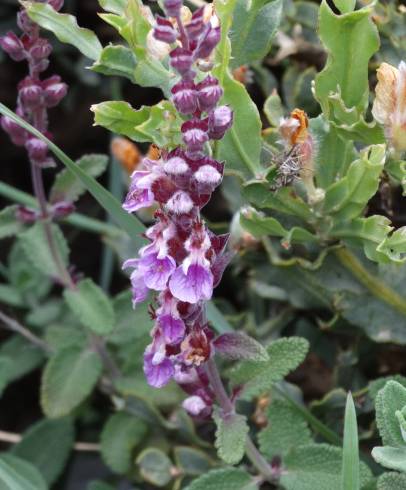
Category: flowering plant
[313,249]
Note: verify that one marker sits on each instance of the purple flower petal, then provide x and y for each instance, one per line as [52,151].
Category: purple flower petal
[195,285]
[156,272]
[173,329]
[157,374]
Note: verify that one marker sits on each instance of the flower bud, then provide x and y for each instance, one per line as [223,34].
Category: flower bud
[27,215]
[220,120]
[164,30]
[209,42]
[184,97]
[26,24]
[180,203]
[196,24]
[181,60]
[195,134]
[17,134]
[41,49]
[37,150]
[172,7]
[209,93]
[13,46]
[194,405]
[176,166]
[207,175]
[30,93]
[54,90]
[62,209]
[56,4]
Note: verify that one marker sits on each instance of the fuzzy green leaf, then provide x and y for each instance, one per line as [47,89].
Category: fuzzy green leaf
[17,474]
[391,398]
[155,467]
[91,306]
[254,26]
[9,224]
[224,479]
[393,458]
[192,461]
[231,436]
[240,148]
[22,356]
[285,355]
[67,187]
[35,245]
[47,445]
[121,434]
[391,481]
[273,109]
[316,466]
[65,28]
[239,346]
[68,378]
[350,466]
[350,39]
[286,429]
[116,61]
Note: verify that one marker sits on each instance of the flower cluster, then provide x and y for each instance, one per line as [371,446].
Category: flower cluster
[35,96]
[183,260]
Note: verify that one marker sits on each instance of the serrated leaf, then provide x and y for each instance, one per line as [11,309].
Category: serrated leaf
[231,436]
[192,461]
[350,39]
[316,466]
[286,429]
[9,224]
[393,458]
[91,306]
[239,346]
[224,479]
[65,28]
[67,186]
[389,399]
[155,467]
[17,474]
[120,435]
[35,245]
[391,481]
[241,149]
[350,465]
[23,356]
[47,445]
[377,384]
[68,378]
[254,26]
[285,355]
[116,61]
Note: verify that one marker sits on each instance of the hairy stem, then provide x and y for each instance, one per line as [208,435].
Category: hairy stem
[14,326]
[258,461]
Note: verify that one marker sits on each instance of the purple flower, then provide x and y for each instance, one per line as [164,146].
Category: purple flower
[196,24]
[158,369]
[41,49]
[138,287]
[54,90]
[195,134]
[30,93]
[164,30]
[180,203]
[18,135]
[140,194]
[37,150]
[173,329]
[176,166]
[181,60]
[209,93]
[193,285]
[156,271]
[184,97]
[220,120]
[208,176]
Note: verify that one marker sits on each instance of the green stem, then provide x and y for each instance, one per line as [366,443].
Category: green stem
[227,408]
[75,219]
[371,282]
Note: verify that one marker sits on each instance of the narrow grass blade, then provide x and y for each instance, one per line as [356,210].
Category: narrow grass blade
[350,470]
